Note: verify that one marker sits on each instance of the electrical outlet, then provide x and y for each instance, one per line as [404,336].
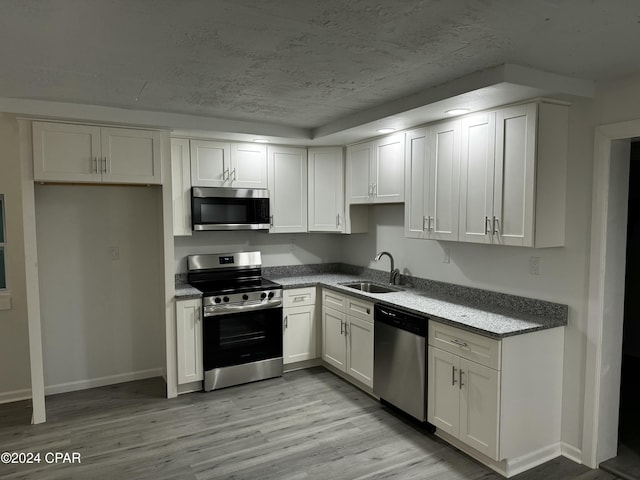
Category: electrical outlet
[114,253]
[534,265]
[446,255]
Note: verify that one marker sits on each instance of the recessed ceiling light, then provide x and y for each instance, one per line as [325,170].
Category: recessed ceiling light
[386,130]
[260,140]
[457,111]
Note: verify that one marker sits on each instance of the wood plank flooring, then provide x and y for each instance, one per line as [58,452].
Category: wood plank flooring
[308,424]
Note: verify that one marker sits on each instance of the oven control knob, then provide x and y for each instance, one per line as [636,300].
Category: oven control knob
[217,300]
[263,295]
[245,297]
[270,295]
[226,299]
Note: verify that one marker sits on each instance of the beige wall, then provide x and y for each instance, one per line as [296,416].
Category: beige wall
[15,380]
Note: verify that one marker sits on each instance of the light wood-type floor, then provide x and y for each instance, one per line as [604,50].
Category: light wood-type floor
[308,424]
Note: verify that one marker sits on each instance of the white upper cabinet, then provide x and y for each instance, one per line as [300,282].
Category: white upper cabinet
[181,186]
[476,177]
[432,181]
[287,174]
[326,190]
[83,153]
[375,171]
[248,165]
[222,164]
[513,180]
[210,163]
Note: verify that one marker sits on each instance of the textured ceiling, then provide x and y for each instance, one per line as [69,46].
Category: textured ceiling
[302,63]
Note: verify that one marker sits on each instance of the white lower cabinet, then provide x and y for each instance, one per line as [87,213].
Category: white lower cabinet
[347,335]
[189,340]
[499,400]
[300,325]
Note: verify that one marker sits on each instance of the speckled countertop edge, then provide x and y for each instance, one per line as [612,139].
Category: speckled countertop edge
[488,320]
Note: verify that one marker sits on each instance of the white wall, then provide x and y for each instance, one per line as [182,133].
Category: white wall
[277,249]
[563,271]
[14,336]
[100,317]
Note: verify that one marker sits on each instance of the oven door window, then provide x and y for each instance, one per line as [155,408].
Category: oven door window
[242,338]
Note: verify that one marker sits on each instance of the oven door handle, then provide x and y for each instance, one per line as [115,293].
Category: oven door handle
[221,310]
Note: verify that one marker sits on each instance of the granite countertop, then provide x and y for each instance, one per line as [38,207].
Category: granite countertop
[473,314]
[489,320]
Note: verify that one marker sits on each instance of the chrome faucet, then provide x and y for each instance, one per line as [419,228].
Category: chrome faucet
[394,272]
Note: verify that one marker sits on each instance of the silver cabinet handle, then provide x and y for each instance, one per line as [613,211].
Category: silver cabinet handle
[197,315]
[424,220]
[346,329]
[338,220]
[225,175]
[375,189]
[453,375]
[341,327]
[460,343]
[487,225]
[233,172]
[496,221]
[104,161]
[95,164]
[370,191]
[299,298]
[429,222]
[460,383]
[286,321]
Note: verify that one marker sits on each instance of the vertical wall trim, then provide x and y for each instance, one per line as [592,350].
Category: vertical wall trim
[31,273]
[603,309]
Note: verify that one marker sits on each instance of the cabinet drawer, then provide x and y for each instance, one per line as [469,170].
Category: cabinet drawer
[299,297]
[333,300]
[359,309]
[480,349]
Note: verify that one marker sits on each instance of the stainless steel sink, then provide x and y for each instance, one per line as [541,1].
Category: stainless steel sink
[371,287]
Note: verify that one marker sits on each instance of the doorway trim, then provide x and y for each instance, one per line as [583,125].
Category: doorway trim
[605,303]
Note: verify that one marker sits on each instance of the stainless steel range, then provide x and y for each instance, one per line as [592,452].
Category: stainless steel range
[242,318]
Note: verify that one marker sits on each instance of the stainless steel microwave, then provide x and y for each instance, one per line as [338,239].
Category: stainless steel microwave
[214,208]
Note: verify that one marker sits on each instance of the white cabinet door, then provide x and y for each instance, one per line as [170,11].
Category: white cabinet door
[210,163]
[444,177]
[417,159]
[299,334]
[476,177]
[514,179]
[66,153]
[334,344]
[189,338]
[181,186]
[132,156]
[360,161]
[443,402]
[248,166]
[360,350]
[388,173]
[287,172]
[479,407]
[326,190]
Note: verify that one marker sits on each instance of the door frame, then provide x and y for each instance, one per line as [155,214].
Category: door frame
[605,303]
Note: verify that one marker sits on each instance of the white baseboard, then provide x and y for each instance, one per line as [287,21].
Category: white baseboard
[102,381]
[291,367]
[506,468]
[15,396]
[572,453]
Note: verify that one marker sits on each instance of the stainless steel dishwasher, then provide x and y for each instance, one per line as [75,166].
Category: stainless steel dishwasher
[400,353]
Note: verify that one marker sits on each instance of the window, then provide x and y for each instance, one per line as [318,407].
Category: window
[3,277]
